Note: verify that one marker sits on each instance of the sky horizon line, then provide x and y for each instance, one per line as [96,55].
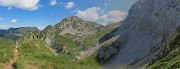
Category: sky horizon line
[40,13]
[52,25]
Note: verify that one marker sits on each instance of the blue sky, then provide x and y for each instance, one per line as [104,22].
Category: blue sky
[40,13]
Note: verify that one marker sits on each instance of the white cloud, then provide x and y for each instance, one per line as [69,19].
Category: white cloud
[3,27]
[89,14]
[22,4]
[53,2]
[112,16]
[70,5]
[13,21]
[97,14]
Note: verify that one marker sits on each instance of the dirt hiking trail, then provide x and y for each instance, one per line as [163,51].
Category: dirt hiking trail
[9,64]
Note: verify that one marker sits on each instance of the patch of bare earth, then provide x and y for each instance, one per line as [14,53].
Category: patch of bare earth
[9,64]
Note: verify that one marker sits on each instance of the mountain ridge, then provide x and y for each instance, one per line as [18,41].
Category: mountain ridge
[80,33]
[16,33]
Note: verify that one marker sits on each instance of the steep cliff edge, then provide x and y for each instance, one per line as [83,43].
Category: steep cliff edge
[149,24]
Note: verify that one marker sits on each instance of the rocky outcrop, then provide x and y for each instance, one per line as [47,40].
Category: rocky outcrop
[75,25]
[70,26]
[70,32]
[76,36]
[48,34]
[115,27]
[149,24]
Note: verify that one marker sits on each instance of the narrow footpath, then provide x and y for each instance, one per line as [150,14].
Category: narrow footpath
[9,64]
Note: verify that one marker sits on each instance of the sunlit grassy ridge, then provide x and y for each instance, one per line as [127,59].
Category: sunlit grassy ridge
[35,52]
[6,49]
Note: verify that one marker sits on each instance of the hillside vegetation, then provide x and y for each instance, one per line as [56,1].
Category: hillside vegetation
[59,46]
[35,54]
[73,35]
[64,51]
[6,50]
[171,58]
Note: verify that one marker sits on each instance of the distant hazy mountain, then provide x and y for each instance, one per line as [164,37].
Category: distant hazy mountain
[2,32]
[15,33]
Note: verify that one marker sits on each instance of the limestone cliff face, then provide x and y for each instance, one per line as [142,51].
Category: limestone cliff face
[149,24]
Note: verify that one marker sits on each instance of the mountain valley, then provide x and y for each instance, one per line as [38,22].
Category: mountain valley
[148,38]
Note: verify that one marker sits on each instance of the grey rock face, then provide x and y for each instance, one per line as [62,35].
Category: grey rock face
[48,33]
[149,24]
[75,25]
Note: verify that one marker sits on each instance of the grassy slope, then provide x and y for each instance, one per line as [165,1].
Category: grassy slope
[5,48]
[171,59]
[42,57]
[30,54]
[1,65]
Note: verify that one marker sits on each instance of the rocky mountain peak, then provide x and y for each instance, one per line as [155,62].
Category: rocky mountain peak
[75,25]
[148,25]
[72,18]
